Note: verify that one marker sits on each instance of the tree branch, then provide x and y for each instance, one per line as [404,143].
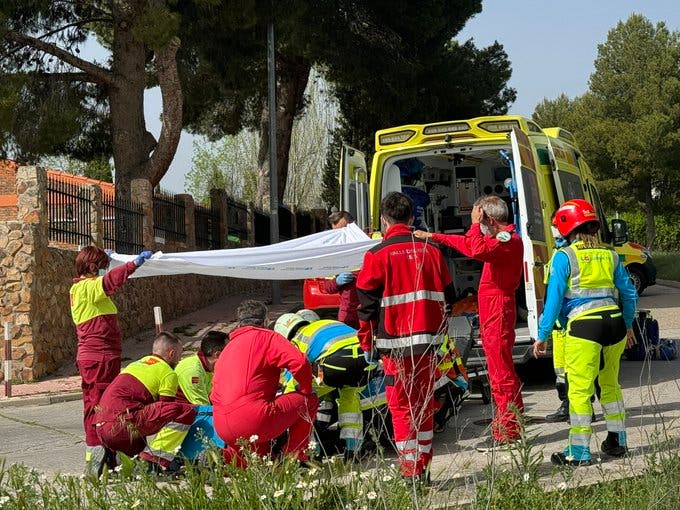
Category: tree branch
[171,126]
[70,77]
[101,74]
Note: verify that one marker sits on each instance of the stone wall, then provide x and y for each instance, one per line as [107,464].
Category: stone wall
[35,279]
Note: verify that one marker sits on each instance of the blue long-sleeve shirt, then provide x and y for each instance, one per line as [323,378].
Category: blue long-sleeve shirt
[557,306]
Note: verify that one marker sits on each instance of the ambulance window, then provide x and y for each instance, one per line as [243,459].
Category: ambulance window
[571,185]
[533,128]
[536,229]
[604,228]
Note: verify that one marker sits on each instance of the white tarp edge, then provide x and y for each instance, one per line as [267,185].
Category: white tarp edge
[317,255]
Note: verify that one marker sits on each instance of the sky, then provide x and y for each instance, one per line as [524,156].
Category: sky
[551,46]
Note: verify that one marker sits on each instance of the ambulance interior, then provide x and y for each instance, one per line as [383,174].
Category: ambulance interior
[443,187]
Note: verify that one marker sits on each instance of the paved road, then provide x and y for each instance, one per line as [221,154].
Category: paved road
[49,437]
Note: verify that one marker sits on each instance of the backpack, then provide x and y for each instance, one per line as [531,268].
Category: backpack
[649,345]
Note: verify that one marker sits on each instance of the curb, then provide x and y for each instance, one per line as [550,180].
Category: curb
[668,283]
[40,400]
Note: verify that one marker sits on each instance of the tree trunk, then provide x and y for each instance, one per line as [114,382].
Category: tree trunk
[293,74]
[649,216]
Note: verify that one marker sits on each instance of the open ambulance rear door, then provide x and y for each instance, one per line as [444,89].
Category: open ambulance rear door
[354,185]
[566,173]
[532,227]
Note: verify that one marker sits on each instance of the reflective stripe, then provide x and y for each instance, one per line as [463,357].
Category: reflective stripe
[441,382]
[579,439]
[573,266]
[560,371]
[351,433]
[410,297]
[322,417]
[580,420]
[425,448]
[325,405]
[615,407]
[349,418]
[586,293]
[160,453]
[426,435]
[411,444]
[374,401]
[560,379]
[409,341]
[590,305]
[410,456]
[616,425]
[178,427]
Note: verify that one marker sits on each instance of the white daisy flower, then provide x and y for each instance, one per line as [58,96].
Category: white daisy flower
[254,438]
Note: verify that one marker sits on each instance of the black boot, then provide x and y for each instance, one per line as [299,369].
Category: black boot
[560,459]
[562,413]
[612,447]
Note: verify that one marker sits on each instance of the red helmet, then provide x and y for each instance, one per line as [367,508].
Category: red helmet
[574,213]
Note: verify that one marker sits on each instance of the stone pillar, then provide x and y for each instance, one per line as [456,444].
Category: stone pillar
[251,224]
[220,204]
[189,220]
[96,215]
[142,192]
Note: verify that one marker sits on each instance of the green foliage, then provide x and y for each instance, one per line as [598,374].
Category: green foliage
[156,26]
[97,168]
[667,230]
[667,265]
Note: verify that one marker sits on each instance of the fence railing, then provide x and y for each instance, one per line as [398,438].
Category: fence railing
[168,217]
[207,224]
[123,221]
[285,223]
[304,223]
[237,219]
[68,209]
[261,225]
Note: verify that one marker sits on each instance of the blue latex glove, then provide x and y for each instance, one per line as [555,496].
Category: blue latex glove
[344,278]
[142,257]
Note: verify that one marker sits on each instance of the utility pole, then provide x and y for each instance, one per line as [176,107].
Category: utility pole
[273,170]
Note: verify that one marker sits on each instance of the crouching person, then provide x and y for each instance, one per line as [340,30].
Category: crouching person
[141,400]
[246,407]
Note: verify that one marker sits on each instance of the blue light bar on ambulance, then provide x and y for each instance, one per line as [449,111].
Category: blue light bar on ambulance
[446,128]
[499,126]
[398,137]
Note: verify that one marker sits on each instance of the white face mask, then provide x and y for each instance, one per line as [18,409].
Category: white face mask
[555,232]
[484,228]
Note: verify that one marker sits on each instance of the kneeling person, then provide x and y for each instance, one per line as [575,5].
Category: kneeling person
[141,400]
[333,349]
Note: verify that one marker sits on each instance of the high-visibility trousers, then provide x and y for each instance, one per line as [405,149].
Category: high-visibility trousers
[595,341]
[96,375]
[558,339]
[130,432]
[409,389]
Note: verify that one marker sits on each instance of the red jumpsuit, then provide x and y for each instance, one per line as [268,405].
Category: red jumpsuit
[136,406]
[99,339]
[501,275]
[404,287]
[245,405]
[349,300]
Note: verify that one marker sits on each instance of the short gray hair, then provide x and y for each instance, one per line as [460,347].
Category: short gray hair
[164,341]
[494,207]
[251,312]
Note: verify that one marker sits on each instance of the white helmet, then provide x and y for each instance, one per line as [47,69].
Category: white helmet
[308,315]
[288,324]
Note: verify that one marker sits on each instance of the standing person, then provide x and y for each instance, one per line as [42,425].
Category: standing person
[405,289]
[493,241]
[140,401]
[582,285]
[99,339]
[245,405]
[343,284]
[332,347]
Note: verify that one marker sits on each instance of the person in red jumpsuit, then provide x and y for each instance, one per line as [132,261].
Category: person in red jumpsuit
[343,284]
[405,291]
[141,400]
[99,339]
[493,241]
[246,408]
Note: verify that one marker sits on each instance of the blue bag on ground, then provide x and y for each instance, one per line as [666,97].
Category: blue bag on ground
[201,435]
[649,345]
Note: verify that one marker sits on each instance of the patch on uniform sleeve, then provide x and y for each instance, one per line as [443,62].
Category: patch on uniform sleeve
[194,380]
[503,236]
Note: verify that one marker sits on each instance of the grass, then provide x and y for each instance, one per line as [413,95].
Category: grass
[667,265]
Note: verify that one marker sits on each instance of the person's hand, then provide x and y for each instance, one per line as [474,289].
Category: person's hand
[421,234]
[142,257]
[344,278]
[371,357]
[540,348]
[477,214]
[630,338]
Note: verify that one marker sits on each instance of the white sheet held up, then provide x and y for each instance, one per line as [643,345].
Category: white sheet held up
[316,255]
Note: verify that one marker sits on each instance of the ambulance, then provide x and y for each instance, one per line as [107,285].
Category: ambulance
[444,167]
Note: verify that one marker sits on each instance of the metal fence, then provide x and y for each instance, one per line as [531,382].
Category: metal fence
[68,210]
[168,217]
[262,225]
[285,223]
[123,222]
[237,224]
[304,223]
[207,223]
